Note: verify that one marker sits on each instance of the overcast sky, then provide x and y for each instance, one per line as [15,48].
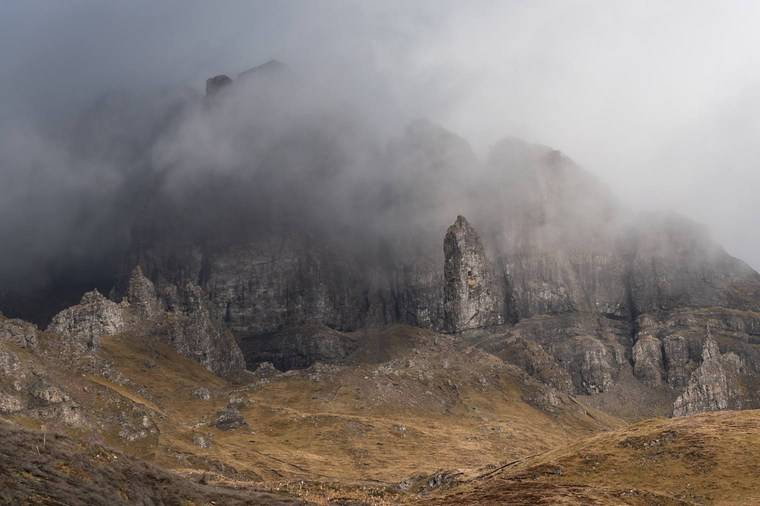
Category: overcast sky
[660,99]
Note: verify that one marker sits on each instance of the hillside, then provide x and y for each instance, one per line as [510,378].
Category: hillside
[51,469]
[261,299]
[705,459]
[430,402]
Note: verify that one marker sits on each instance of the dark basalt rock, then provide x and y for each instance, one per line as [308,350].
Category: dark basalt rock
[299,347]
[142,296]
[648,360]
[714,385]
[216,84]
[188,325]
[473,296]
[586,291]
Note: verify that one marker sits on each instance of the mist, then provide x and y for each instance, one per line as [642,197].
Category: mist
[104,124]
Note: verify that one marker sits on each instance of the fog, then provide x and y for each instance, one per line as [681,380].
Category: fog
[660,101]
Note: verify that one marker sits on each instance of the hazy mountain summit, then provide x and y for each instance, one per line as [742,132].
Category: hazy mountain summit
[273,256]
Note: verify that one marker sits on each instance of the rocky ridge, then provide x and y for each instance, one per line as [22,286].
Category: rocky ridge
[182,318]
[548,269]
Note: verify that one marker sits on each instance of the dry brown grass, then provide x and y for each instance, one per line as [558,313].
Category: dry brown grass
[353,433]
[707,459]
[349,432]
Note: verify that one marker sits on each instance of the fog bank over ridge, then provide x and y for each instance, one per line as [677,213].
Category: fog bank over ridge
[660,102]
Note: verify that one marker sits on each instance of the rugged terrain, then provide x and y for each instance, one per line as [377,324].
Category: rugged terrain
[315,315]
[359,429]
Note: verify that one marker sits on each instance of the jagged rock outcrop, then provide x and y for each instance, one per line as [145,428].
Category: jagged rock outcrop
[95,316]
[555,257]
[142,296]
[29,388]
[586,348]
[593,366]
[193,332]
[18,332]
[473,297]
[682,333]
[188,325]
[713,385]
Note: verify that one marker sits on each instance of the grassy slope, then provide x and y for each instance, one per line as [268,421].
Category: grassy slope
[707,459]
[359,429]
[52,469]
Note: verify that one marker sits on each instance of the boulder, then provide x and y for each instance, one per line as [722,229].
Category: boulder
[202,394]
[229,418]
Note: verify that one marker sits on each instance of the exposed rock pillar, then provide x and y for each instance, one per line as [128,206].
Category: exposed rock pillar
[473,297]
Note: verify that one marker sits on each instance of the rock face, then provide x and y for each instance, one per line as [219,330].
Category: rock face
[142,296]
[531,356]
[299,347]
[713,385]
[648,361]
[194,333]
[593,366]
[94,317]
[589,349]
[588,294]
[677,363]
[18,332]
[472,296]
[188,325]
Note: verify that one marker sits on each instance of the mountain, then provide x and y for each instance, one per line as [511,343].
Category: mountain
[268,295]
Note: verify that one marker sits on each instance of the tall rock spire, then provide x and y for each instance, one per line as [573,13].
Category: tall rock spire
[473,297]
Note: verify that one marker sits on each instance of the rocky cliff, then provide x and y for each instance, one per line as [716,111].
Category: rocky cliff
[182,319]
[473,294]
[308,222]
